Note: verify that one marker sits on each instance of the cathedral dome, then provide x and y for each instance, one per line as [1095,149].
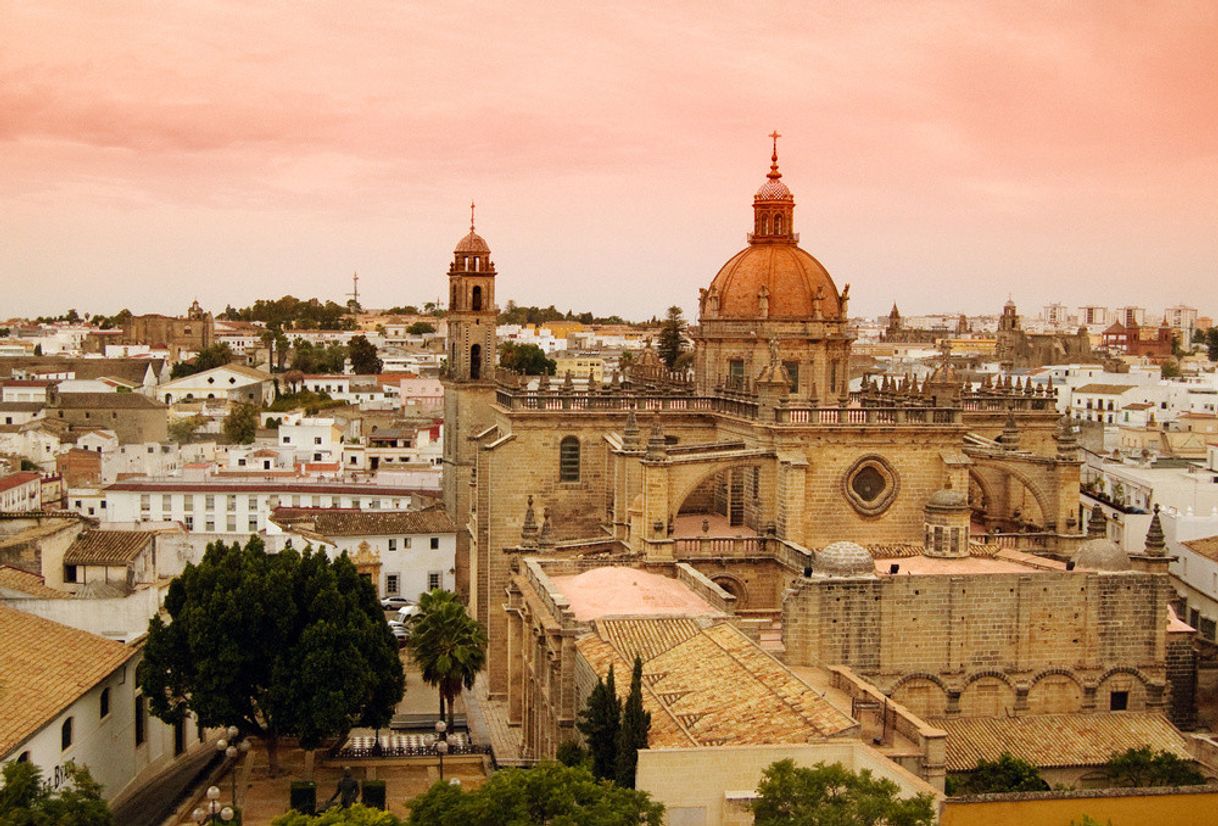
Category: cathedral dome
[844,559]
[1101,555]
[772,278]
[793,280]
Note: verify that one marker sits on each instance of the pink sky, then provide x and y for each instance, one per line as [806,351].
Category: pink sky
[942,155]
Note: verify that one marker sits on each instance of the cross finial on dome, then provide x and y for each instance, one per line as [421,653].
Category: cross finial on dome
[774,173]
[471,216]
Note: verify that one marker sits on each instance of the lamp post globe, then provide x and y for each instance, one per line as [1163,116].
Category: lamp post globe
[213,792]
[198,814]
[226,814]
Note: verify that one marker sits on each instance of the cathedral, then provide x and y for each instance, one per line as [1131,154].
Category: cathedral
[747,474]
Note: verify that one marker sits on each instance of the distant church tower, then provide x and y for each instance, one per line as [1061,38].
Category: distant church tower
[468,379]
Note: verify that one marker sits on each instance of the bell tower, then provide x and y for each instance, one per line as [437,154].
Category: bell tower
[469,386]
[471,309]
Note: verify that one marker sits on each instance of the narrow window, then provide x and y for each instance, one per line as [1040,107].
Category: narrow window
[568,459]
[475,361]
[391,584]
[140,712]
[104,702]
[65,735]
[435,543]
[792,368]
[778,225]
[476,299]
[735,373]
[433,580]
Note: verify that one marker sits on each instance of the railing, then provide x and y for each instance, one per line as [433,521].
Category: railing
[1002,403]
[560,401]
[714,546]
[405,745]
[867,415]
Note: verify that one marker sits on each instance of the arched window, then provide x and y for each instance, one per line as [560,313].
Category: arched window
[475,361]
[476,299]
[778,225]
[24,757]
[477,263]
[104,704]
[568,459]
[65,734]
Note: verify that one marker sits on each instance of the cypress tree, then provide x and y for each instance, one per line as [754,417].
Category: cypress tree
[632,734]
[599,723]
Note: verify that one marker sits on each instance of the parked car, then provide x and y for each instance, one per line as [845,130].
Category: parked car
[407,612]
[392,602]
[400,635]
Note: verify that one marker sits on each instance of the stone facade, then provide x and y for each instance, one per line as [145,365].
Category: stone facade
[1035,642]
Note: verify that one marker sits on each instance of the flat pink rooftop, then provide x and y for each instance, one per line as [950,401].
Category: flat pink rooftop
[620,591]
[1004,562]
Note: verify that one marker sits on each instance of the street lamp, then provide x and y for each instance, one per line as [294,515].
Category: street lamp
[441,744]
[215,812]
[232,749]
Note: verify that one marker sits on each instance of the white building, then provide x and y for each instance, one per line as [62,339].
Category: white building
[312,439]
[232,383]
[73,696]
[21,491]
[237,507]
[413,551]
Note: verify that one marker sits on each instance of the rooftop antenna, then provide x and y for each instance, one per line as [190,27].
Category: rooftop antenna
[354,294]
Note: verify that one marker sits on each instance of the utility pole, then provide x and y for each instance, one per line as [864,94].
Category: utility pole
[354,294]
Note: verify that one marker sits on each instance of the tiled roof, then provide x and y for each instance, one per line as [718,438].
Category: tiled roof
[14,480]
[24,582]
[349,522]
[1206,547]
[106,401]
[1056,740]
[710,686]
[44,668]
[1104,389]
[106,547]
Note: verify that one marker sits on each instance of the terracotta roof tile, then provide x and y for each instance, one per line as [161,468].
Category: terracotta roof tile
[106,547]
[24,582]
[345,522]
[1056,740]
[1206,547]
[44,668]
[711,685]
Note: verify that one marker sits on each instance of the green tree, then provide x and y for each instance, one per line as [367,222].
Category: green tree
[672,340]
[420,328]
[1170,369]
[525,358]
[287,644]
[832,794]
[1006,774]
[448,646]
[632,734]
[364,360]
[27,800]
[1211,344]
[217,355]
[547,793]
[276,342]
[357,815]
[1146,767]
[181,430]
[241,424]
[599,722]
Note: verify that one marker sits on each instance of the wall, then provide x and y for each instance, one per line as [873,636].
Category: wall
[1121,807]
[992,644]
[695,784]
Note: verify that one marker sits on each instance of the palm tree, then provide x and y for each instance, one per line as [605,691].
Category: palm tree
[448,645]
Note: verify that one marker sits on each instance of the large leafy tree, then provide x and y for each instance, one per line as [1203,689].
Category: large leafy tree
[1211,344]
[27,800]
[364,360]
[632,735]
[287,644]
[241,424]
[547,793]
[217,355]
[1006,774]
[599,722]
[448,646]
[1146,767]
[672,340]
[829,793]
[525,358]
